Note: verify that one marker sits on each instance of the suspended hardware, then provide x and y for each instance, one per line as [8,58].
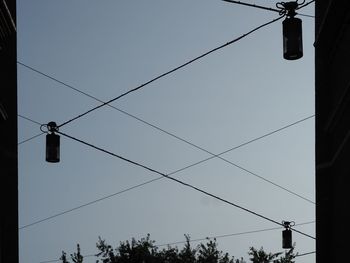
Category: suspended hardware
[292,31]
[287,235]
[52,143]
[292,38]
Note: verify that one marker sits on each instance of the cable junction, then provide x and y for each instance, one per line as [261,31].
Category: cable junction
[213,155]
[177,137]
[279,6]
[171,173]
[106,103]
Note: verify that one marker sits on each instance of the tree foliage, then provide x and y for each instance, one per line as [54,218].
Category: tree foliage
[260,256]
[145,251]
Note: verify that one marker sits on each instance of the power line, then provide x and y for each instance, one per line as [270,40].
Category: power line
[30,138]
[268,8]
[87,204]
[184,140]
[180,182]
[33,137]
[305,254]
[59,81]
[252,5]
[106,103]
[160,76]
[232,234]
[171,173]
[198,147]
[302,6]
[208,237]
[172,71]
[29,119]
[190,143]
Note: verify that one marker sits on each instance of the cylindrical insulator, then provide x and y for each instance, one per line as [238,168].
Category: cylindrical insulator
[292,38]
[287,239]
[52,148]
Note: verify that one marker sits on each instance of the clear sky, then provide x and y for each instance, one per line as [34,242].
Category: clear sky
[241,92]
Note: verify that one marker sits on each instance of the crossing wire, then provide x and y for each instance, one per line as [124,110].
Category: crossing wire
[177,68]
[161,177]
[107,103]
[180,182]
[182,139]
[171,71]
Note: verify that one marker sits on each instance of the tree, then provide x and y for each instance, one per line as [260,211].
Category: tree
[209,253]
[288,256]
[145,251]
[76,257]
[260,256]
[187,254]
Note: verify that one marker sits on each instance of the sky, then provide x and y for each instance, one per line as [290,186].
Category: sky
[230,97]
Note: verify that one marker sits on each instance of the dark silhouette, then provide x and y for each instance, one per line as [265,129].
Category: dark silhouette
[332,67]
[145,251]
[8,133]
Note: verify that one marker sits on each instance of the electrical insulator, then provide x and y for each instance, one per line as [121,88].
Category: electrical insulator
[52,144]
[287,235]
[292,38]
[287,239]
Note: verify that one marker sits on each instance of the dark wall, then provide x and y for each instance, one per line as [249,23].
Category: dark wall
[332,68]
[8,134]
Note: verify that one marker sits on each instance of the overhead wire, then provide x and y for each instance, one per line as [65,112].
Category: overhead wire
[33,137]
[306,4]
[152,170]
[161,177]
[87,204]
[177,68]
[162,75]
[170,71]
[232,234]
[29,119]
[305,254]
[30,138]
[208,237]
[213,155]
[269,8]
[252,5]
[180,182]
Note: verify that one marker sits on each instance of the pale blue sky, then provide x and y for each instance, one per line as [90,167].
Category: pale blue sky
[241,92]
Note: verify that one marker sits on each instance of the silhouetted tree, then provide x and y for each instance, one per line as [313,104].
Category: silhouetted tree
[187,254]
[260,256]
[77,257]
[288,256]
[64,257]
[209,253]
[145,251]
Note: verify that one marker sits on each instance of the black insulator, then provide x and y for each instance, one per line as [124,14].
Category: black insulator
[287,239]
[292,38]
[52,148]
